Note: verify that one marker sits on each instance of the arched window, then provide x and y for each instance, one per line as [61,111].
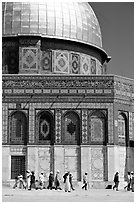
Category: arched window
[71,128]
[96,127]
[45,127]
[122,125]
[18,128]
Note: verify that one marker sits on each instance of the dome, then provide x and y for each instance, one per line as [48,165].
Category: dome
[72,21]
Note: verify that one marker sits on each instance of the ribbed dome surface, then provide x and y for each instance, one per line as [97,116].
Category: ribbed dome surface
[64,20]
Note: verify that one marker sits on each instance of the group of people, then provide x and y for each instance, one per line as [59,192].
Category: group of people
[130,181]
[30,181]
[54,183]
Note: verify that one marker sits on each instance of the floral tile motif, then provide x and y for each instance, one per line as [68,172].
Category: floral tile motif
[29,58]
[46,61]
[85,64]
[61,62]
[75,63]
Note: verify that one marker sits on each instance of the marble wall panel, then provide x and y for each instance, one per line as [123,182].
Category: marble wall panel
[72,161]
[85,161]
[97,163]
[59,159]
[6,164]
[44,161]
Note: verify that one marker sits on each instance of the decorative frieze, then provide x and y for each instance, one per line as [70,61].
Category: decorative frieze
[58,127]
[58,82]
[84,126]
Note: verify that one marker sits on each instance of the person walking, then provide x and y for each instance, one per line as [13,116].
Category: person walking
[128,182]
[32,182]
[57,181]
[85,181]
[21,182]
[70,180]
[41,180]
[28,177]
[67,182]
[51,180]
[16,182]
[116,181]
[132,181]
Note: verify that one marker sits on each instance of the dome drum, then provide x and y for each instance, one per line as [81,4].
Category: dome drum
[32,55]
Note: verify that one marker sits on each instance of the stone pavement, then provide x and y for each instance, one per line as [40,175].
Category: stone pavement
[79,195]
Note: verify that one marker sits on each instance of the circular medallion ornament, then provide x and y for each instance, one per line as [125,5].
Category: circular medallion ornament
[98,163]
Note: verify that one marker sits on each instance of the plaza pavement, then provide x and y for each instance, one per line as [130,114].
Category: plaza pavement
[92,195]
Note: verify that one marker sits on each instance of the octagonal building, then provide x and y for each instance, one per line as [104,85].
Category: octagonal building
[61,110]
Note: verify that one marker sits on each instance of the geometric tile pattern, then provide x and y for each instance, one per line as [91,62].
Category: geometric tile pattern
[85,64]
[61,62]
[18,128]
[96,127]
[121,128]
[84,127]
[4,123]
[31,123]
[46,61]
[71,127]
[58,126]
[131,126]
[29,58]
[97,163]
[75,63]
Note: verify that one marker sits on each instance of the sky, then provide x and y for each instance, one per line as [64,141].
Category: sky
[116,21]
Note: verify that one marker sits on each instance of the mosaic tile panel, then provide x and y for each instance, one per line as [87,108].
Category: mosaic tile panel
[58,126]
[93,66]
[31,123]
[84,127]
[30,58]
[71,128]
[121,128]
[131,126]
[98,68]
[85,64]
[97,163]
[61,62]
[4,123]
[96,127]
[75,63]
[46,61]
